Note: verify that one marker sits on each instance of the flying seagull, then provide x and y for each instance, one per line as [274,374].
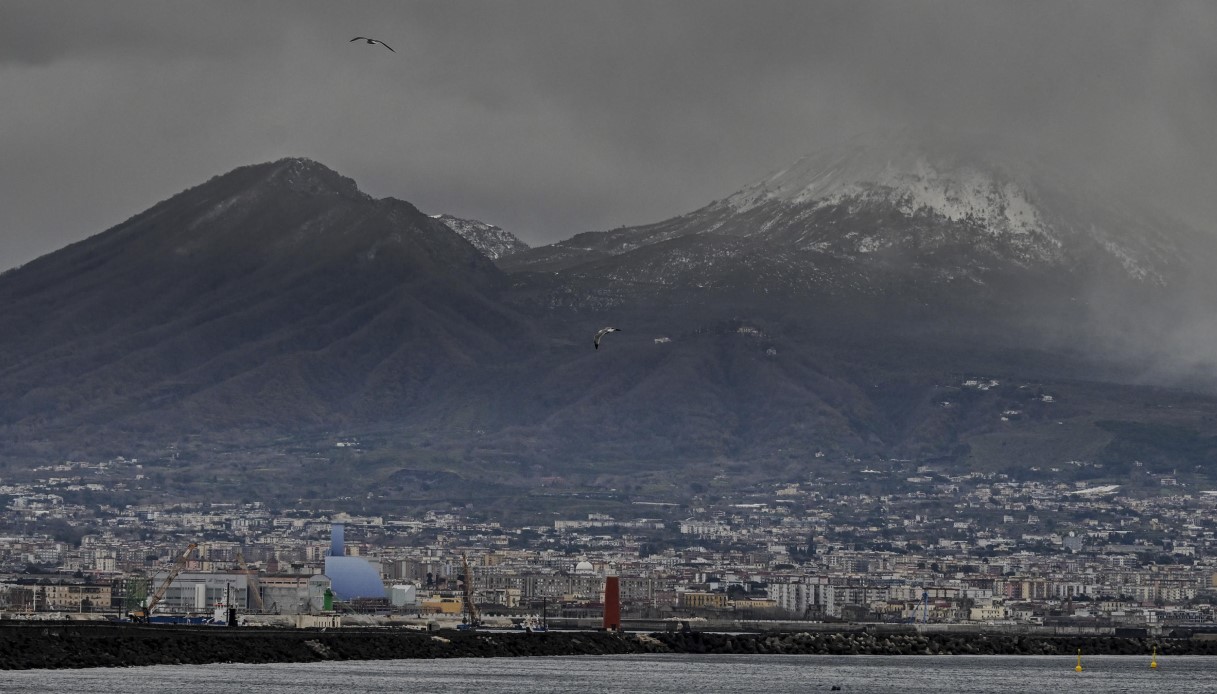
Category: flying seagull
[373,42]
[602,332]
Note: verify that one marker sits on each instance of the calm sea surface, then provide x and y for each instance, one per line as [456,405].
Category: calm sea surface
[769,674]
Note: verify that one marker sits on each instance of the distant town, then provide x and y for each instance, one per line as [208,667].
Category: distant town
[947,549]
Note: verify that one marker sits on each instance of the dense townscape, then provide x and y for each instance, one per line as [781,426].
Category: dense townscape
[981,547]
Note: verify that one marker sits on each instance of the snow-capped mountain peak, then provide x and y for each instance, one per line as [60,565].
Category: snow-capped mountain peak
[1037,215]
[913,182]
[923,209]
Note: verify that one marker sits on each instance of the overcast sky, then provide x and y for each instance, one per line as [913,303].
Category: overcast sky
[550,118]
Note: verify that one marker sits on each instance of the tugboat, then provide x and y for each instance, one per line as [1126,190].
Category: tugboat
[532,625]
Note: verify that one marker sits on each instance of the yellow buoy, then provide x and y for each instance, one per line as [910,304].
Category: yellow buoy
[1153,662]
[1079,667]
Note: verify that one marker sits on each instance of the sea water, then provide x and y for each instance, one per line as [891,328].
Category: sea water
[767,674]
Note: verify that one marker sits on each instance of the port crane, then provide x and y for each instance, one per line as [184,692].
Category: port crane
[141,614]
[471,610]
[251,576]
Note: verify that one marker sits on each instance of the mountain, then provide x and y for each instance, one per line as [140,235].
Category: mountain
[274,299]
[487,238]
[897,233]
[274,332]
[843,306]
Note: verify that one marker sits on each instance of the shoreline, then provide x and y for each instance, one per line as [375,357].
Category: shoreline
[68,645]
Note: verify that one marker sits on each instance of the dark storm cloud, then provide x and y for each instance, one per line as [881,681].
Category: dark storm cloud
[549,118]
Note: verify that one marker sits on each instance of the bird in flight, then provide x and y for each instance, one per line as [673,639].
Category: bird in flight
[373,42]
[602,332]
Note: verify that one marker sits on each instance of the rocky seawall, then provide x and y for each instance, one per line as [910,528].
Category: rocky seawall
[938,643]
[34,645]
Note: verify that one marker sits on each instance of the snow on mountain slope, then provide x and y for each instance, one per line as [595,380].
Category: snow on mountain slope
[491,240]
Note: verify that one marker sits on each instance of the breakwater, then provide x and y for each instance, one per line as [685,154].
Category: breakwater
[934,643]
[43,645]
